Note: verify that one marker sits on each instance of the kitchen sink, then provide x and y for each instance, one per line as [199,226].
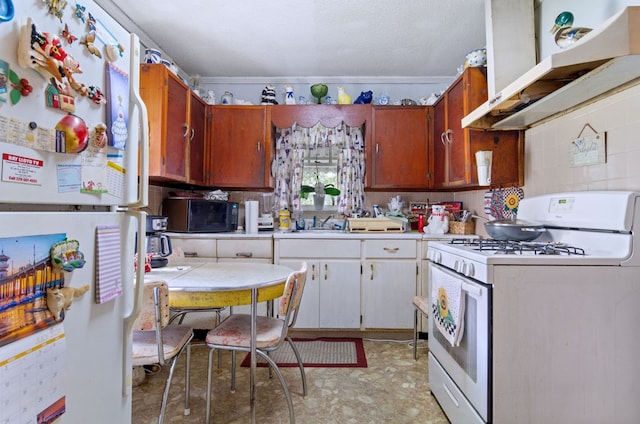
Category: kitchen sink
[322,230]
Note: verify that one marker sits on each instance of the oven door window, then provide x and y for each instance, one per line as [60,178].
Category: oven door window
[466,354]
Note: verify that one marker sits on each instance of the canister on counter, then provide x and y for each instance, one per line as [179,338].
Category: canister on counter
[284,219]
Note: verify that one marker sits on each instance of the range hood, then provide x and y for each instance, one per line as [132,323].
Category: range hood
[605,59]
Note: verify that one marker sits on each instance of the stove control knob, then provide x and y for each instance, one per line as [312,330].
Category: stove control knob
[435,257]
[469,270]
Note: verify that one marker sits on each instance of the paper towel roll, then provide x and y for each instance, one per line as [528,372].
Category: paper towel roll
[251,216]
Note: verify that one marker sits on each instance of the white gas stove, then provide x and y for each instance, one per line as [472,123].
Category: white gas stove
[542,316]
[583,228]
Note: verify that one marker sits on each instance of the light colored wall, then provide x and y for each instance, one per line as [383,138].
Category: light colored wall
[547,148]
[587,13]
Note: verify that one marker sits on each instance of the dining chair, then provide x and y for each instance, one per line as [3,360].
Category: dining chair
[234,333]
[421,305]
[156,342]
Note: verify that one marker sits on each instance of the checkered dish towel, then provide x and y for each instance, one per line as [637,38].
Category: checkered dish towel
[447,306]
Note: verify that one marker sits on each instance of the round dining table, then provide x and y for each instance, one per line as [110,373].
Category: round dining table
[197,285]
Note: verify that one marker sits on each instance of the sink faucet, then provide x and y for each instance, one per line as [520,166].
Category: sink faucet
[326,220]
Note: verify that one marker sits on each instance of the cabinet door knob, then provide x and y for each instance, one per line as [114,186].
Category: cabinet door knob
[192,134]
[371,278]
[449,136]
[259,147]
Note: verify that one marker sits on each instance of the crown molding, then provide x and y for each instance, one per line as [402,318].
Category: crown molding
[388,80]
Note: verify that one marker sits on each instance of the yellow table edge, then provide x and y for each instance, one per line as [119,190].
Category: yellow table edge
[220,299]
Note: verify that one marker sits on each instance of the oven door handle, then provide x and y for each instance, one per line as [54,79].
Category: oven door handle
[471,289]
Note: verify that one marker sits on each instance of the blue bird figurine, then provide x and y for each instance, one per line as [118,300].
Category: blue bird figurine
[565,34]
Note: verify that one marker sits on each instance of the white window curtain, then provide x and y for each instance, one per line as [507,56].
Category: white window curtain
[295,143]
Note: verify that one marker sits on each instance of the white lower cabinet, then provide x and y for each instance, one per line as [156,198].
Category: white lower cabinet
[331,297]
[355,283]
[390,273]
[388,288]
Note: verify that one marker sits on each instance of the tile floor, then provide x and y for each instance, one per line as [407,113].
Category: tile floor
[392,389]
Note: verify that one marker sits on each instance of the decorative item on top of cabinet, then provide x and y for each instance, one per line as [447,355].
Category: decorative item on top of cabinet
[454,147]
[398,156]
[240,147]
[176,123]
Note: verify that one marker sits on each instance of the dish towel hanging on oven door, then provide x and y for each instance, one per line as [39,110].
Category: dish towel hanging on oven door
[447,307]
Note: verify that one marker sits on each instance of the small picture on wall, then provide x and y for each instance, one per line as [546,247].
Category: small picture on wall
[117,106]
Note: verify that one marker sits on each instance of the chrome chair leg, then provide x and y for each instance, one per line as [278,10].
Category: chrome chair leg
[415,334]
[167,385]
[299,359]
[233,371]
[208,396]
[187,383]
[283,383]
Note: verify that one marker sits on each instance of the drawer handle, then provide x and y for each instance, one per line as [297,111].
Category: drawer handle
[453,398]
[244,254]
[190,254]
[391,249]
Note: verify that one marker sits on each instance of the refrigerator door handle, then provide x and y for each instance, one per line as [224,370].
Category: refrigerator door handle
[137,292]
[143,144]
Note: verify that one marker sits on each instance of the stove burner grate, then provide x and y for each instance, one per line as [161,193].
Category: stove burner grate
[519,247]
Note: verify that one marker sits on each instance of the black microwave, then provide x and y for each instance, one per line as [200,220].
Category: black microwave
[200,215]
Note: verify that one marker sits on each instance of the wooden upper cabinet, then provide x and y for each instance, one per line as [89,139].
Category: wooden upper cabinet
[167,100]
[454,147]
[197,136]
[398,156]
[284,116]
[240,149]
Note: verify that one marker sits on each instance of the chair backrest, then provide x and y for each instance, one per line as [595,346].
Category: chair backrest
[147,318]
[293,289]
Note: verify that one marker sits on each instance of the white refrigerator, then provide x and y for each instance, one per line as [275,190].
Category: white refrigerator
[71,204]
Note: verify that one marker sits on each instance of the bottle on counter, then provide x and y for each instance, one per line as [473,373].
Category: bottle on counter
[284,219]
[421,223]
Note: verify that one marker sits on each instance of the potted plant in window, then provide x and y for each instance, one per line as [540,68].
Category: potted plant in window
[320,190]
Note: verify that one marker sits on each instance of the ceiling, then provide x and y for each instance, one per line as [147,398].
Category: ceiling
[290,38]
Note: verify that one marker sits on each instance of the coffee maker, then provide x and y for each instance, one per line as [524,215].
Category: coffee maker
[158,244]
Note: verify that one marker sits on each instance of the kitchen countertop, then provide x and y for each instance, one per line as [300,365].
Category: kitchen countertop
[320,234]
